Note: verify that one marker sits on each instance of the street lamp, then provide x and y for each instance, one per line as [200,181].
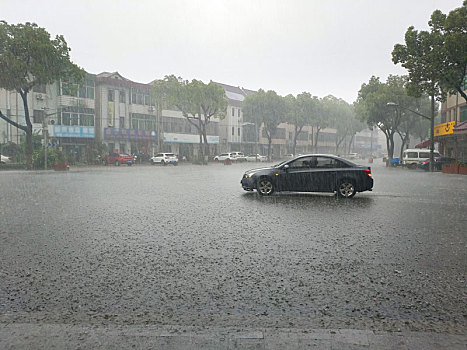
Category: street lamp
[432,145]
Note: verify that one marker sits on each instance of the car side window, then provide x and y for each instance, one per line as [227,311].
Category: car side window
[303,163]
[324,162]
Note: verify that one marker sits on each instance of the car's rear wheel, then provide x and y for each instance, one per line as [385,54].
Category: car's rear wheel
[346,189]
[117,163]
[265,187]
[163,163]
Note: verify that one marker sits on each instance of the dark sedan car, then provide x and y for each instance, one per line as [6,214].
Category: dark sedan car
[310,173]
[437,164]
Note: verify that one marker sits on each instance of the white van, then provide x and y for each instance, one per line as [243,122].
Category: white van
[411,157]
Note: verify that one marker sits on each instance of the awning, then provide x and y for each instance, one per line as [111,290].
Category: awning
[423,144]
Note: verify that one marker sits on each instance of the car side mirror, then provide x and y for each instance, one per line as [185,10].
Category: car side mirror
[286,167]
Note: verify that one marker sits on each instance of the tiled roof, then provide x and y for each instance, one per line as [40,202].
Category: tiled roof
[461,126]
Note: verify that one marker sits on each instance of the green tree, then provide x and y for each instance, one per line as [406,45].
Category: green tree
[267,109]
[318,122]
[28,58]
[198,102]
[341,116]
[455,45]
[436,60]
[412,123]
[301,111]
[371,106]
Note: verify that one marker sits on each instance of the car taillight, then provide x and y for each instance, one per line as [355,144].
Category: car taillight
[367,171]
[424,163]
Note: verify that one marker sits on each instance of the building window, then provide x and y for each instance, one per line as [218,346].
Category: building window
[143,121]
[140,97]
[122,97]
[122,122]
[85,90]
[38,116]
[238,112]
[74,119]
[233,131]
[86,120]
[78,119]
[238,131]
[463,114]
[233,112]
[111,95]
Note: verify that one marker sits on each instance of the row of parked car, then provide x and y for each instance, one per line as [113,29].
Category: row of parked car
[123,158]
[240,157]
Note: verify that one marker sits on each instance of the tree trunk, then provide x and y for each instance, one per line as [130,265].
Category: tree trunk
[404,142]
[316,140]
[350,143]
[432,133]
[206,145]
[201,148]
[29,150]
[269,147]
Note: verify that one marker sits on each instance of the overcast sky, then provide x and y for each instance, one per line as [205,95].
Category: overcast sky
[290,46]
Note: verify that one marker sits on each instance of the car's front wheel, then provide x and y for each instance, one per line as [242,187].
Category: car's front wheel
[265,187]
[346,189]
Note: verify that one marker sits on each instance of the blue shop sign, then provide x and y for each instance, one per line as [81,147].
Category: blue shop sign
[72,131]
[130,134]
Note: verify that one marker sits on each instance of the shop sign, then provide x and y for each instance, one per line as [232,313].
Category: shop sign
[86,132]
[444,128]
[129,134]
[189,138]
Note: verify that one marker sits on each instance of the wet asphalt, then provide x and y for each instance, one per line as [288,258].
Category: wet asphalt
[187,246]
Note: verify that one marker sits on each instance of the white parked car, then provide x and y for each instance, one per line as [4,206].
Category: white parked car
[352,156]
[4,159]
[223,156]
[164,159]
[238,156]
[256,158]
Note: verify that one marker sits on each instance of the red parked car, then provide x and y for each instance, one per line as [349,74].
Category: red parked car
[118,158]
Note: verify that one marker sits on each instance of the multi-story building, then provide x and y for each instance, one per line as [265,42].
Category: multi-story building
[452,132]
[236,134]
[130,121]
[65,110]
[107,112]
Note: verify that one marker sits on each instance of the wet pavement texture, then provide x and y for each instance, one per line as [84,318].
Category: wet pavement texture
[186,246]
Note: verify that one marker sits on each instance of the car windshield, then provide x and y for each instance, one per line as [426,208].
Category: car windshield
[128,220]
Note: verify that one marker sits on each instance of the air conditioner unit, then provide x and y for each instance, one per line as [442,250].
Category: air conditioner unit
[39,97]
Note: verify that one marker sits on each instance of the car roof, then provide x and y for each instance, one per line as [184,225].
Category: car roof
[324,155]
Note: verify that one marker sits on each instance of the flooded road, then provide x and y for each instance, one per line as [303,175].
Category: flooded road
[186,245]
